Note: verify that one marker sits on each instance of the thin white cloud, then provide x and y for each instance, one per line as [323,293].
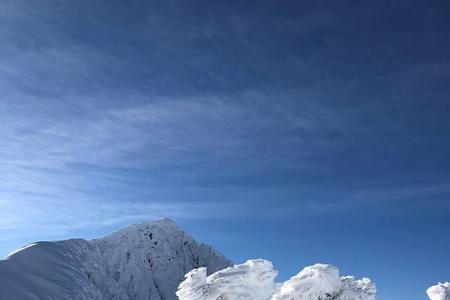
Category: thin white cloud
[56,118]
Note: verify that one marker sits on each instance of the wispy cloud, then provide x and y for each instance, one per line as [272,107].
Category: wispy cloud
[94,131]
[166,131]
[75,162]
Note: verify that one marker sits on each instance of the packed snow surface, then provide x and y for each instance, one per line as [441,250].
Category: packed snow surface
[140,262]
[440,291]
[254,280]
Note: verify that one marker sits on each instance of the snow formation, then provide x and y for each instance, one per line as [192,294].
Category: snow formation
[140,262]
[254,280]
[250,281]
[440,291]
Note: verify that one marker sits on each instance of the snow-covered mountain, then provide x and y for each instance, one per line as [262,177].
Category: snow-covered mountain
[254,280]
[139,262]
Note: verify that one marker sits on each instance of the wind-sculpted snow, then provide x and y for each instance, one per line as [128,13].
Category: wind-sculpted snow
[254,280]
[440,291]
[140,262]
[250,281]
[315,282]
[357,289]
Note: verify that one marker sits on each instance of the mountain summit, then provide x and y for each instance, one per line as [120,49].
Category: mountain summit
[143,261]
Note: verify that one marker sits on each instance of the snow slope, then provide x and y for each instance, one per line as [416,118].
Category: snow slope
[254,280]
[139,262]
[441,291]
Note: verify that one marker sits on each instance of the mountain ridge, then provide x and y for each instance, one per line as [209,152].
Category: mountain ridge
[140,261]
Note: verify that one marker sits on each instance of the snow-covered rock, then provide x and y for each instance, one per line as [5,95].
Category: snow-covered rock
[322,282]
[255,280]
[140,262]
[249,281]
[361,289]
[441,291]
[319,281]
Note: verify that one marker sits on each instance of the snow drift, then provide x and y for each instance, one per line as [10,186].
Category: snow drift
[441,291]
[146,261]
[254,280]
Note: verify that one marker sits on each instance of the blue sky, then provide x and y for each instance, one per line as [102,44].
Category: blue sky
[301,132]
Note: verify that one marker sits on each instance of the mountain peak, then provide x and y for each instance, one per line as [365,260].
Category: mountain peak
[163,225]
[164,220]
[161,222]
[141,261]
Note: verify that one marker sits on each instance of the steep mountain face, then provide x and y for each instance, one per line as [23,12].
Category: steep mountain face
[140,262]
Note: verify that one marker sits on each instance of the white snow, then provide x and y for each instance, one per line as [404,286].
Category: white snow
[254,280]
[319,281]
[249,281]
[146,261]
[441,291]
[357,289]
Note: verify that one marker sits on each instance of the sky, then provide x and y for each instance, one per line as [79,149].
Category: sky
[296,131]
